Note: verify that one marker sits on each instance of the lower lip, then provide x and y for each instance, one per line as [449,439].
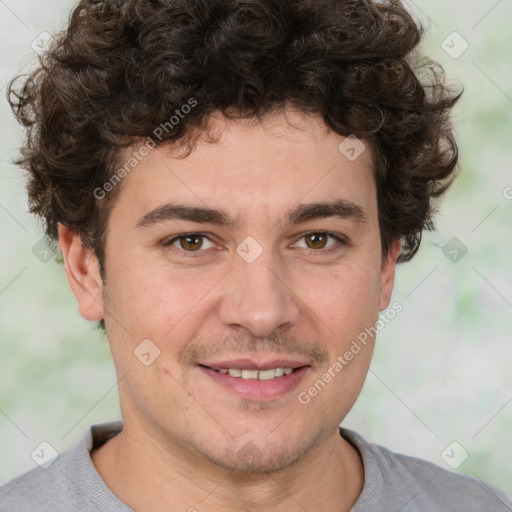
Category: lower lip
[255,389]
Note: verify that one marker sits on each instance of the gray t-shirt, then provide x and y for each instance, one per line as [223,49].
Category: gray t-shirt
[393,483]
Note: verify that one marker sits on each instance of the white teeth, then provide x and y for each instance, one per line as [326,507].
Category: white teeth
[269,374]
[249,374]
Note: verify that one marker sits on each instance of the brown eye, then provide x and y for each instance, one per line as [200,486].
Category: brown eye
[316,240]
[191,242]
[322,243]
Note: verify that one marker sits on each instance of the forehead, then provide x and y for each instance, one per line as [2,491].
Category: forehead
[254,168]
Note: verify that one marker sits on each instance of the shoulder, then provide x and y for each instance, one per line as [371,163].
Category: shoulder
[68,483]
[418,485]
[44,487]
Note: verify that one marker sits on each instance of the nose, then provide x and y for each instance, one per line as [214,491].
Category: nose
[258,299]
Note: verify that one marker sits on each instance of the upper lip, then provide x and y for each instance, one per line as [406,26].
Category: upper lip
[252,364]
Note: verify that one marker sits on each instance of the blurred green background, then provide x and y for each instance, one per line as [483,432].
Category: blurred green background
[441,371]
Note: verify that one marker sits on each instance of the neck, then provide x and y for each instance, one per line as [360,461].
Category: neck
[146,475]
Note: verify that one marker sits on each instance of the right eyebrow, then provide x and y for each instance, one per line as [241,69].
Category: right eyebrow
[199,214]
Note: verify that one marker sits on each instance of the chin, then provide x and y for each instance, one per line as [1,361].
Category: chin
[258,456]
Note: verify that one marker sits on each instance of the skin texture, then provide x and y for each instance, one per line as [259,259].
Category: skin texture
[185,438]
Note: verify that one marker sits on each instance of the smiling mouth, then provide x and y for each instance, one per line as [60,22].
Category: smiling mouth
[252,380]
[268,374]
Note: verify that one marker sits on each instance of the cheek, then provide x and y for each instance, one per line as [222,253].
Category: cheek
[348,312]
[346,299]
[168,308]
[149,298]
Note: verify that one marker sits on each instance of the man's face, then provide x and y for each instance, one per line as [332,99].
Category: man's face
[283,286]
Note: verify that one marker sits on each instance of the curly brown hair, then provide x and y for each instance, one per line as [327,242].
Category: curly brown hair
[125,67]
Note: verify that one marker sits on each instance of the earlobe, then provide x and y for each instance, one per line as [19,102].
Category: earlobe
[83,273]
[388,275]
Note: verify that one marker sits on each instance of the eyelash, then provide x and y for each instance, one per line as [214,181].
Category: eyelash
[194,254]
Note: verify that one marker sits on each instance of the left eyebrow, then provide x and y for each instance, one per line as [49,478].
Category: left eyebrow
[342,208]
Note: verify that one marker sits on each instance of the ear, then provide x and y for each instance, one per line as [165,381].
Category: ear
[83,272]
[387,275]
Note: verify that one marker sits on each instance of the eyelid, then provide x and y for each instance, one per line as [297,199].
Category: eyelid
[168,243]
[340,239]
